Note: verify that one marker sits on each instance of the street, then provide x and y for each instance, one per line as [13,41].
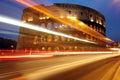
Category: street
[69,67]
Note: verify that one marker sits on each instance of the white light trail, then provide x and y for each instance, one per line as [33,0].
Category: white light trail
[116,49]
[8,32]
[84,52]
[18,23]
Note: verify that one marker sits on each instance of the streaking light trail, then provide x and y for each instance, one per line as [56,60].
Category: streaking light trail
[84,52]
[15,22]
[8,32]
[116,49]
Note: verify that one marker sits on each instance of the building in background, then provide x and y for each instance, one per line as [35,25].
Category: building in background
[31,39]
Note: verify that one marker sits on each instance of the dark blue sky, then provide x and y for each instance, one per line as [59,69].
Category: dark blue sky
[109,8]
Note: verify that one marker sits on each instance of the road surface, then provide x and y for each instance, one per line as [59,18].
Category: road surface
[69,67]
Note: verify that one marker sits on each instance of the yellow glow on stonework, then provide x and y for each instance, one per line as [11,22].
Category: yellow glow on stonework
[47,17]
[86,29]
[91,19]
[81,24]
[30,19]
[72,17]
[61,16]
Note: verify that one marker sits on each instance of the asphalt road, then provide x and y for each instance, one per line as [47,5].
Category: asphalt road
[69,67]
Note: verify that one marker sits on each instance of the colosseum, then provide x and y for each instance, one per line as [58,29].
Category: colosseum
[31,39]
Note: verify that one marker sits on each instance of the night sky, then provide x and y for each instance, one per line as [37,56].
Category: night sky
[109,8]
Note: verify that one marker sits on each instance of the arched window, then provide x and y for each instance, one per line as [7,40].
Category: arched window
[69,12]
[35,40]
[43,48]
[68,39]
[91,26]
[95,28]
[76,35]
[75,47]
[56,48]
[63,39]
[56,25]
[49,26]
[63,48]
[43,25]
[56,38]
[42,38]
[70,47]
[81,13]
[87,36]
[30,19]
[49,48]
[100,29]
[61,26]
[49,38]
[68,26]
